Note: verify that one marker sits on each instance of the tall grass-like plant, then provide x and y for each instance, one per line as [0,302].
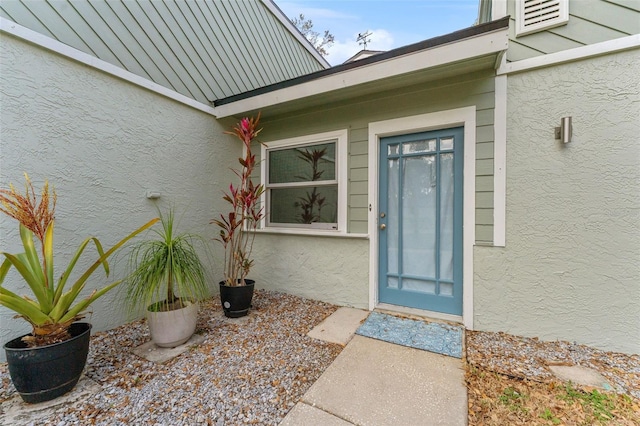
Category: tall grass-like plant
[237,228]
[166,272]
[54,309]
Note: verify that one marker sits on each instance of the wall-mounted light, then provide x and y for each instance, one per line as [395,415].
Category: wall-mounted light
[565,131]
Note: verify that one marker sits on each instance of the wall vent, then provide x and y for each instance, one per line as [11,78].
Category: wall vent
[538,15]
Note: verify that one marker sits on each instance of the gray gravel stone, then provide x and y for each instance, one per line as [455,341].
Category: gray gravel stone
[246,372]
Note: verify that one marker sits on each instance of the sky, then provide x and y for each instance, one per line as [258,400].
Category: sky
[393,23]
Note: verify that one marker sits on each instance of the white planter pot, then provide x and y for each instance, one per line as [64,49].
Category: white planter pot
[173,328]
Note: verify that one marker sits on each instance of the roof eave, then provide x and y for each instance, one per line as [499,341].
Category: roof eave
[490,38]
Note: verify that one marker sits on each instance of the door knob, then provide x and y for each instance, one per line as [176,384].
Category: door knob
[383,226]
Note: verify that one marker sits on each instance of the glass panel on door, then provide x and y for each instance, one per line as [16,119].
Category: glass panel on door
[420,220]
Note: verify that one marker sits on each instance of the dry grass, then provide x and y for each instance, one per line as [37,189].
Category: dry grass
[497,399]
[509,383]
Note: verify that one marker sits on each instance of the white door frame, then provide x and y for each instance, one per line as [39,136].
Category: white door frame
[418,123]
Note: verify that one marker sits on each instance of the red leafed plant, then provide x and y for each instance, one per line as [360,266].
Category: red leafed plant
[237,227]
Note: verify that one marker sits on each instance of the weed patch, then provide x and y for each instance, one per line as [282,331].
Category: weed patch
[497,399]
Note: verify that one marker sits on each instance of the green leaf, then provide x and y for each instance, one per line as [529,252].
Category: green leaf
[84,304]
[69,270]
[35,284]
[25,308]
[30,251]
[47,248]
[61,307]
[28,266]
[4,268]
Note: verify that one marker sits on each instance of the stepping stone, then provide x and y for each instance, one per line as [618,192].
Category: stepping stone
[340,326]
[580,375]
[153,353]
[15,411]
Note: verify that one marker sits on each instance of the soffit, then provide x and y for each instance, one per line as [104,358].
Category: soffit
[458,53]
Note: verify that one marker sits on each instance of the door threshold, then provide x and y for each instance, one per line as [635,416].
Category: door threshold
[419,313]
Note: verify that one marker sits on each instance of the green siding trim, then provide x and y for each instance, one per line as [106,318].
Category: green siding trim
[590,21]
[471,89]
[206,49]
[359,187]
[484,150]
[484,183]
[484,200]
[484,234]
[484,167]
[629,4]
[484,216]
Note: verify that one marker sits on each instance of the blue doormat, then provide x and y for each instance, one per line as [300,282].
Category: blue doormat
[429,336]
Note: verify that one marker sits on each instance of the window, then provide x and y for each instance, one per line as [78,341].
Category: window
[538,15]
[303,182]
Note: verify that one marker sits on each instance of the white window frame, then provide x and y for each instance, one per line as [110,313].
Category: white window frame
[561,19]
[341,138]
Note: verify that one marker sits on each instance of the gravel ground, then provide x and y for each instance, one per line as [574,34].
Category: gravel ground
[529,358]
[249,371]
[254,370]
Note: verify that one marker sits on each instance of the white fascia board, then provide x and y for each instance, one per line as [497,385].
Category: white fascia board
[469,48]
[41,40]
[584,52]
[278,13]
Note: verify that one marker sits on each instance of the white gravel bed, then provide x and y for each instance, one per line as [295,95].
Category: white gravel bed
[247,371]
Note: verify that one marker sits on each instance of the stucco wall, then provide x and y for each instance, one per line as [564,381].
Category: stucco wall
[103,142]
[331,269]
[571,266]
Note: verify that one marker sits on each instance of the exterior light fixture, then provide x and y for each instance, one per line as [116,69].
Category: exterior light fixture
[565,131]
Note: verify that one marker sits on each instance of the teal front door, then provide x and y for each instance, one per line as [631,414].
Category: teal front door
[420,220]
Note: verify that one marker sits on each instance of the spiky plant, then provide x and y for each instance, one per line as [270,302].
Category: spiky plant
[237,227]
[53,310]
[166,272]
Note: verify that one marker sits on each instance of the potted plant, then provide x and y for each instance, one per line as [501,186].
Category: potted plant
[167,277]
[48,362]
[237,228]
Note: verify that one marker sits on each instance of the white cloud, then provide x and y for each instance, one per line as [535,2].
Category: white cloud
[344,49]
[292,10]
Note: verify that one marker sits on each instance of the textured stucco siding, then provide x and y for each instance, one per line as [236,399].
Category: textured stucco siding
[103,143]
[571,266]
[334,270]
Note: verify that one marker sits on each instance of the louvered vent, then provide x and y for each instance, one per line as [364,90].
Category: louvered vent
[538,15]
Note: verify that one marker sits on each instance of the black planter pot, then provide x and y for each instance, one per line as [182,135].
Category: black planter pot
[47,372]
[236,300]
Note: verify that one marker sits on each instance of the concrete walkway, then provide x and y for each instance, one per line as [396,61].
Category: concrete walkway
[377,383]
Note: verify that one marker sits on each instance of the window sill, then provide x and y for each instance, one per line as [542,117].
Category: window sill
[311,232]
